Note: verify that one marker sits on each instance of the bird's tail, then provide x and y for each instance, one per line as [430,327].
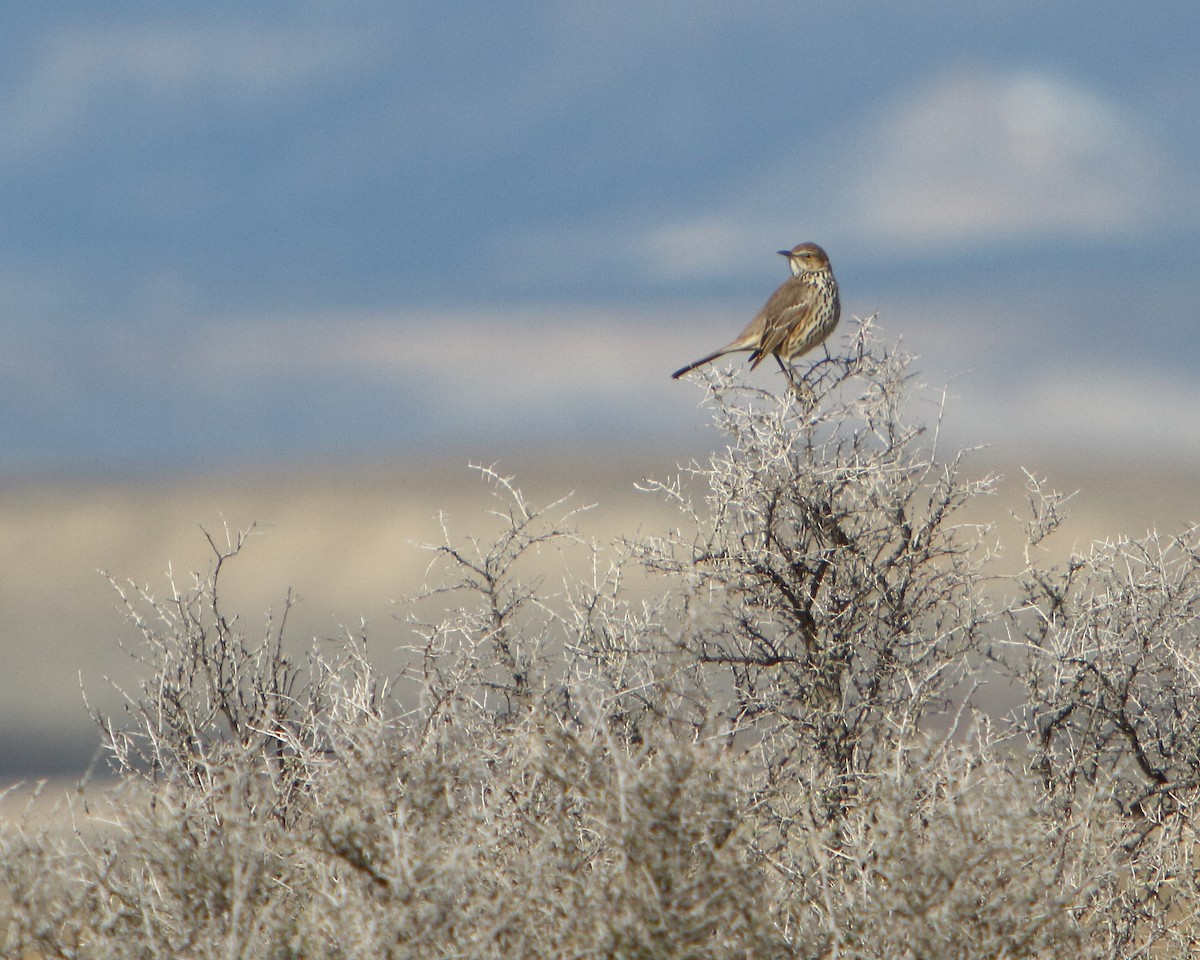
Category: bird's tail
[728,348]
[697,363]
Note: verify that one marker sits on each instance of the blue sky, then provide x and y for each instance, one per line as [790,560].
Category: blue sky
[273,231]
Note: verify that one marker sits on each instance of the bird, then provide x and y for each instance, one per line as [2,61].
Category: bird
[799,315]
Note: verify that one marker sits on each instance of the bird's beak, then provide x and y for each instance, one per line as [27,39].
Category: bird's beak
[785,253]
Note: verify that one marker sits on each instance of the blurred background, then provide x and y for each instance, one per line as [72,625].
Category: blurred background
[300,263]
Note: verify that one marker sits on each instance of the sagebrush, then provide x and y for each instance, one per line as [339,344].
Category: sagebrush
[779,754]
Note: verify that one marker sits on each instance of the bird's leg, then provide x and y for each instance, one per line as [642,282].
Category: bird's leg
[787,372]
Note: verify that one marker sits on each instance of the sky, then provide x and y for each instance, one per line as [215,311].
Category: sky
[285,231]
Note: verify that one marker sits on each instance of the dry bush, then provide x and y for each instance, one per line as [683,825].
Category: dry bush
[828,583]
[1108,648]
[776,755]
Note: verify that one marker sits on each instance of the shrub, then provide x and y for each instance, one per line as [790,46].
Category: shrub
[777,754]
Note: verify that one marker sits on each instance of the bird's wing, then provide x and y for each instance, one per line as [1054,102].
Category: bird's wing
[789,307]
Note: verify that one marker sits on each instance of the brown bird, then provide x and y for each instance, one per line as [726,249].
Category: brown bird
[798,317]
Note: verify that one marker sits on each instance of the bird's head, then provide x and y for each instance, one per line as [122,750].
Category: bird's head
[806,258]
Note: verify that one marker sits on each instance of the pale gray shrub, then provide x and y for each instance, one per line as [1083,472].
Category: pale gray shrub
[1108,648]
[946,855]
[828,581]
[775,754]
[223,714]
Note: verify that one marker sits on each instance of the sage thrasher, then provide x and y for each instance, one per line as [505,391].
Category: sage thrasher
[798,317]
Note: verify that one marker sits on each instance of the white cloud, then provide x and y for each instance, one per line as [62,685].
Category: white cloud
[516,366]
[511,359]
[80,78]
[970,157]
[973,156]
[1112,413]
[515,371]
